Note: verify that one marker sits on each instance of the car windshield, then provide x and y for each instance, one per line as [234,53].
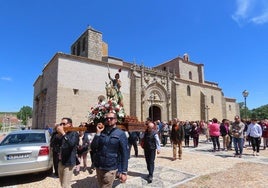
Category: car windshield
[25,138]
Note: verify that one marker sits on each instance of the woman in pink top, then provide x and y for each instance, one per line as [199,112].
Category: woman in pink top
[214,132]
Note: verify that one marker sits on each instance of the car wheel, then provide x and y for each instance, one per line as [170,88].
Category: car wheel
[49,171]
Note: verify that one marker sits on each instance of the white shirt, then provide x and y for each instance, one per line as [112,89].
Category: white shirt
[254,130]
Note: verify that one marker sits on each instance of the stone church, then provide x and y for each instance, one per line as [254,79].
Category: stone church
[71,84]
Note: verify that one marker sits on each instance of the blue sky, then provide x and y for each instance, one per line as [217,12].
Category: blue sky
[228,37]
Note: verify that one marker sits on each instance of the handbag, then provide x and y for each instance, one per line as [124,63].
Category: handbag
[142,143]
[77,161]
[165,133]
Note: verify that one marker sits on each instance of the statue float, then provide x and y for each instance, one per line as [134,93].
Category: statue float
[113,103]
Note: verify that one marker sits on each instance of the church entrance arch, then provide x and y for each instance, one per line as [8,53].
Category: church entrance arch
[155,113]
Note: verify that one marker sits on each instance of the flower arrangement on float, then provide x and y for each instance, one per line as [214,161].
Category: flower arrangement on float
[97,113]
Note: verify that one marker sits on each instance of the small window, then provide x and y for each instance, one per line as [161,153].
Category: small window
[230,108]
[78,49]
[188,91]
[212,99]
[190,75]
[76,91]
[73,51]
[84,44]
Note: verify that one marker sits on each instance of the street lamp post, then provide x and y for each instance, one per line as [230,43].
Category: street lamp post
[245,95]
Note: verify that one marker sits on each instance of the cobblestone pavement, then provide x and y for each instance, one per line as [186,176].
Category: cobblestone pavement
[206,148]
[195,163]
[170,176]
[164,176]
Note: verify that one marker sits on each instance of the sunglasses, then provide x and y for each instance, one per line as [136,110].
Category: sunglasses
[63,124]
[109,118]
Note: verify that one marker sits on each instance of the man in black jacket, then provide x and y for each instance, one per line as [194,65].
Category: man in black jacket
[132,141]
[151,146]
[67,155]
[55,143]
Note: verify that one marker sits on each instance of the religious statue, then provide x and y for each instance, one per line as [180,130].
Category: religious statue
[116,84]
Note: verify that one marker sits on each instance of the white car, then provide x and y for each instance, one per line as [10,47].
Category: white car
[25,151]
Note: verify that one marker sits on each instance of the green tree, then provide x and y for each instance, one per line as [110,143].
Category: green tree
[24,114]
[241,108]
[245,113]
[261,112]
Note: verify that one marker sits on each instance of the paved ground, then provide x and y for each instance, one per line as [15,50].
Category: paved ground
[170,176]
[196,162]
[164,176]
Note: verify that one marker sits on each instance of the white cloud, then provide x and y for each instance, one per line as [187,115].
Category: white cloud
[6,78]
[242,8]
[262,19]
[251,11]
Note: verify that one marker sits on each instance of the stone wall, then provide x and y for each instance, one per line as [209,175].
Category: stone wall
[71,84]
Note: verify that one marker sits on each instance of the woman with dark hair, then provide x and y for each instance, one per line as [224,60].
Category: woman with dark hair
[82,149]
[264,125]
[214,132]
[224,129]
[195,134]
[187,133]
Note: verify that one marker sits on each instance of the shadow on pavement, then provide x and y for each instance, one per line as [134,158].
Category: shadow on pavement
[21,179]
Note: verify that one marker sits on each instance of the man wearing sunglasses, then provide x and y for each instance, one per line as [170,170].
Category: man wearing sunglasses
[67,155]
[110,146]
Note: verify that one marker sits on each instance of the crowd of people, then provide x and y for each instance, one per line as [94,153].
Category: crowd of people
[110,147]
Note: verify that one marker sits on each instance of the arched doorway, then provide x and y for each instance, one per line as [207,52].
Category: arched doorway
[155,113]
